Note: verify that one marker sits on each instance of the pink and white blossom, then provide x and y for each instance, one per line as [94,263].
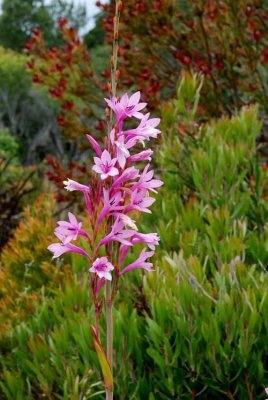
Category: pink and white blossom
[145,130]
[151,239]
[140,201]
[144,155]
[105,165]
[110,204]
[60,248]
[102,267]
[70,230]
[127,107]
[118,234]
[140,262]
[71,185]
[146,181]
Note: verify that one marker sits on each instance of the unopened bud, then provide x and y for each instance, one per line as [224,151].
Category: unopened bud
[109,87]
[107,112]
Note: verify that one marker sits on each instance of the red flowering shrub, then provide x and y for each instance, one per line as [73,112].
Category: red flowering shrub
[67,73]
[225,40]
[56,173]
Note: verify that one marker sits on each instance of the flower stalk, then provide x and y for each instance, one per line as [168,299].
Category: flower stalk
[117,190]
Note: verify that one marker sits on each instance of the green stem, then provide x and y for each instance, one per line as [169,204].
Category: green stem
[109,292]
[109,334]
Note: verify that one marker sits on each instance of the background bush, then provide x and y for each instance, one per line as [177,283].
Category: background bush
[194,328]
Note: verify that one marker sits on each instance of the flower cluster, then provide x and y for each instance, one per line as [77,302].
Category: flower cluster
[120,191]
[226,44]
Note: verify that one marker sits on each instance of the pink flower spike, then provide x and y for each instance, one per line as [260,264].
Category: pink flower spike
[140,262]
[73,185]
[70,230]
[266,390]
[59,248]
[95,145]
[105,165]
[102,268]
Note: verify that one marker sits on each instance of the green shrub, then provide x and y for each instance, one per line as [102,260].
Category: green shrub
[207,332]
[9,146]
[196,328]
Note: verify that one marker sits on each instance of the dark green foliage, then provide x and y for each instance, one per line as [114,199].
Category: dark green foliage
[20,17]
[95,37]
[9,146]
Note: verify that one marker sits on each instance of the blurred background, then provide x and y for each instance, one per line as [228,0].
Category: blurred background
[197,327]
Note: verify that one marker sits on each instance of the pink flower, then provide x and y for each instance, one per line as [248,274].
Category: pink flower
[121,148]
[142,156]
[105,165]
[151,239]
[127,221]
[266,391]
[110,204]
[95,145]
[128,174]
[73,185]
[70,230]
[60,248]
[122,153]
[146,181]
[102,268]
[118,234]
[140,201]
[140,262]
[126,106]
[145,130]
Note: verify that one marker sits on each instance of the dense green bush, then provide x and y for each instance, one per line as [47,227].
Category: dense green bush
[208,330]
[9,146]
[196,328]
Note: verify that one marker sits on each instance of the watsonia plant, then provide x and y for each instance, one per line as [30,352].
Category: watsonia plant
[120,190]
